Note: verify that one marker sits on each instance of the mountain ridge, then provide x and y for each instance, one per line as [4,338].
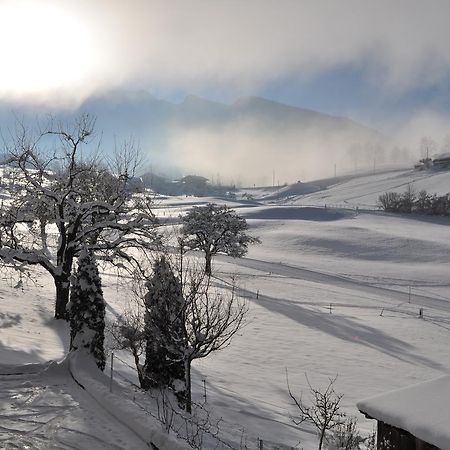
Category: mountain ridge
[205,136]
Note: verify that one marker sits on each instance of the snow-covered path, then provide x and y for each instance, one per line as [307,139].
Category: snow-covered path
[53,412]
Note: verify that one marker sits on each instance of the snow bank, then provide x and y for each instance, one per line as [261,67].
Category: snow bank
[293,189]
[21,369]
[86,373]
[422,409]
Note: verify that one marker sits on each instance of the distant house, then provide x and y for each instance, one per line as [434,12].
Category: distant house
[425,163]
[194,185]
[412,418]
[441,161]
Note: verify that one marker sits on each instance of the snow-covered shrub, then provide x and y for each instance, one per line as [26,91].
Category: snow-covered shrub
[87,309]
[164,331]
[409,202]
[371,441]
[345,436]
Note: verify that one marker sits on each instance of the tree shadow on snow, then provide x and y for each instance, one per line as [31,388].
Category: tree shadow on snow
[235,406]
[12,356]
[343,328]
[60,327]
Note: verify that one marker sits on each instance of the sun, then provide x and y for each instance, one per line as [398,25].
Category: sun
[44,49]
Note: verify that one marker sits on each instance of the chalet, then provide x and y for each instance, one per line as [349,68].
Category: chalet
[413,418]
[441,161]
[424,163]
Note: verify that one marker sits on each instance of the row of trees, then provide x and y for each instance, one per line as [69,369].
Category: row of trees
[66,203]
[177,318]
[410,201]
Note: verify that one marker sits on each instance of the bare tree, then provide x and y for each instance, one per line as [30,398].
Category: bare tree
[408,198]
[427,146]
[84,204]
[210,319]
[127,333]
[216,229]
[323,412]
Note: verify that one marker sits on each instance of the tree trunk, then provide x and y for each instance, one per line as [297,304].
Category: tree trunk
[42,224]
[322,435]
[208,258]
[139,368]
[62,285]
[188,387]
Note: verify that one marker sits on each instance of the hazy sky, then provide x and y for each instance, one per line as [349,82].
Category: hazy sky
[385,63]
[339,56]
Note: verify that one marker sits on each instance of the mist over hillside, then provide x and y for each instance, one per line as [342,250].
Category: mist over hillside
[251,141]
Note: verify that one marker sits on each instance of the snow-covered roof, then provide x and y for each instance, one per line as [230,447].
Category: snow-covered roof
[441,156]
[422,409]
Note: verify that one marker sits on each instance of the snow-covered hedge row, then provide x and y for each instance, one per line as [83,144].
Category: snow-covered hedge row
[86,373]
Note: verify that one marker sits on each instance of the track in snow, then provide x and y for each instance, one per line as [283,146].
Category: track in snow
[315,276]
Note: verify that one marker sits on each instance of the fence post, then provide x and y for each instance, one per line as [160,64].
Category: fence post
[204,389]
[260,444]
[112,370]
[257,294]
[330,308]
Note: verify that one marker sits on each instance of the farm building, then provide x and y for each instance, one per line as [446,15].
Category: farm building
[413,418]
[441,161]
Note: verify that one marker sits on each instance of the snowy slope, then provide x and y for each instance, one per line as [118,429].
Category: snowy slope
[330,292]
[66,405]
[363,191]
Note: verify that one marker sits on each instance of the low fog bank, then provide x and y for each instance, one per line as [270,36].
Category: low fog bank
[247,154]
[250,142]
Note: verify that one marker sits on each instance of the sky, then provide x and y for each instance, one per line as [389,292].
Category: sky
[351,54]
[382,62]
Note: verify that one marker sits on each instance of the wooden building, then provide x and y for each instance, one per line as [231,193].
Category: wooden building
[412,418]
[441,161]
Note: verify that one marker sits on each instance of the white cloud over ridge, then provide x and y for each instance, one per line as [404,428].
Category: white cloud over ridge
[183,44]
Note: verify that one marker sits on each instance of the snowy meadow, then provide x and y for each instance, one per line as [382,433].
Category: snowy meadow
[332,292]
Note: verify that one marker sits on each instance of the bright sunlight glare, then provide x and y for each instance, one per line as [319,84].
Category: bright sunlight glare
[44,48]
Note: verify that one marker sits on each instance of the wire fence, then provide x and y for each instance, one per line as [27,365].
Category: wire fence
[201,422]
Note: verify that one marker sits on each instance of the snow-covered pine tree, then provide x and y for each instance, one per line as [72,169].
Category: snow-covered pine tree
[165,333]
[87,309]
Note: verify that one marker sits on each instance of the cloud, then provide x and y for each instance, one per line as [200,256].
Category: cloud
[246,152]
[182,45]
[424,124]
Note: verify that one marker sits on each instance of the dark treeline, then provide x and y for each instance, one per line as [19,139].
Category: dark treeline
[412,202]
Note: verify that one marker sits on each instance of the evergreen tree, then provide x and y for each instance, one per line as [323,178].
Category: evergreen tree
[165,332]
[87,309]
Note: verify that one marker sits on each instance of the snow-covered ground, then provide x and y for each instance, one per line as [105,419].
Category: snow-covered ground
[364,191]
[331,292]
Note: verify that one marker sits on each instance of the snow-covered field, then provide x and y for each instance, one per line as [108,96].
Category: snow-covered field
[331,291]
